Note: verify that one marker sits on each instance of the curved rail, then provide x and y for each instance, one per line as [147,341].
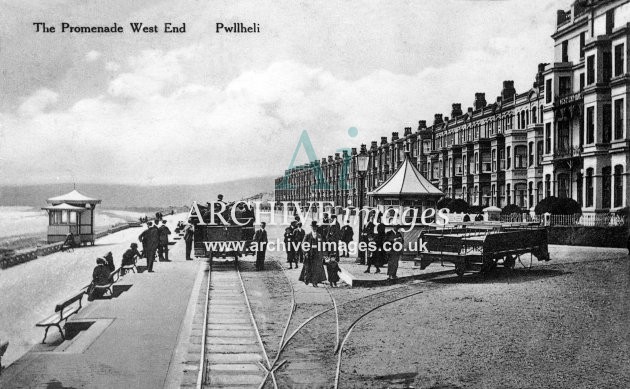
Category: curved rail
[262,346]
[345,338]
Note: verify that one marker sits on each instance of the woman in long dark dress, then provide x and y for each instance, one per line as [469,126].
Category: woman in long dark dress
[378,258]
[313,269]
[395,254]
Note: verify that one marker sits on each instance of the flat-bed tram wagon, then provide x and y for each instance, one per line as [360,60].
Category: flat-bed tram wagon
[480,248]
[222,241]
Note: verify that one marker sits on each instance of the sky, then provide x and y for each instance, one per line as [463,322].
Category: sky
[204,107]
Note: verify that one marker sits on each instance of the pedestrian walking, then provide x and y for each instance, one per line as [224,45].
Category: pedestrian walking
[163,244]
[298,237]
[347,236]
[260,237]
[334,236]
[152,242]
[366,235]
[189,234]
[332,270]
[377,259]
[397,241]
[313,270]
[288,240]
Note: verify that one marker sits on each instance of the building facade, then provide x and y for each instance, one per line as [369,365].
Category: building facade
[567,136]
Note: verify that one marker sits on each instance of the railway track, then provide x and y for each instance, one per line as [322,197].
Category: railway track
[233,354]
[300,342]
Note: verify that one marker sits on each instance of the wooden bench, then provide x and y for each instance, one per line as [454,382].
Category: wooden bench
[63,311]
[131,267]
[113,277]
[3,349]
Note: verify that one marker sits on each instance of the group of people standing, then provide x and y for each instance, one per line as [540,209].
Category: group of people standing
[155,239]
[314,260]
[384,254]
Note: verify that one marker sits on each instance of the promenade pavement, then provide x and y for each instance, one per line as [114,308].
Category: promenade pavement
[128,341]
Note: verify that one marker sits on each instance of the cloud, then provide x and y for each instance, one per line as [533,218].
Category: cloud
[112,66]
[92,55]
[219,110]
[38,102]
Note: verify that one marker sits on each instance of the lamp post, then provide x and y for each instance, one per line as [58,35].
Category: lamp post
[362,165]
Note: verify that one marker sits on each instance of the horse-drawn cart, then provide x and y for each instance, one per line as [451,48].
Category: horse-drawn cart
[480,248]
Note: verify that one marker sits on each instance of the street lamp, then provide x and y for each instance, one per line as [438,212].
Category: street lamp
[362,165]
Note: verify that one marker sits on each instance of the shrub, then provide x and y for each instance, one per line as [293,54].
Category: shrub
[443,203]
[458,206]
[623,212]
[475,209]
[558,206]
[510,209]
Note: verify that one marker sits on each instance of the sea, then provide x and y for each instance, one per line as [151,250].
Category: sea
[27,221]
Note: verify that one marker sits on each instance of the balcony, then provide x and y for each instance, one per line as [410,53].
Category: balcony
[567,99]
[568,152]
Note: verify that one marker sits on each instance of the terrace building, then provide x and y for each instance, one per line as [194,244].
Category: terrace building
[567,136]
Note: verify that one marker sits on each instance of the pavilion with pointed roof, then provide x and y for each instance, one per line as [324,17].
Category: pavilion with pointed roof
[407,187]
[71,213]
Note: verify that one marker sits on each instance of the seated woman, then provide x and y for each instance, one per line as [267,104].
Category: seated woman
[100,276]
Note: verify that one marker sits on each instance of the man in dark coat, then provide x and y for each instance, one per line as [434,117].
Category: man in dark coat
[260,237]
[142,238]
[298,237]
[378,257]
[347,235]
[189,234]
[334,235]
[366,235]
[395,238]
[152,237]
[163,244]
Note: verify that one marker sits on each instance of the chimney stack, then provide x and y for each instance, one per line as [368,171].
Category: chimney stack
[437,119]
[374,144]
[364,148]
[407,131]
[422,125]
[470,109]
[480,101]
[508,91]
[383,140]
[354,150]
[457,110]
[394,136]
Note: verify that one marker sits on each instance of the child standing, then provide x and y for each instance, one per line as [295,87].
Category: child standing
[332,269]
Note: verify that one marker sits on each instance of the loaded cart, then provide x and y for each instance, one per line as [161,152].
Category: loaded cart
[480,248]
[223,241]
[219,240]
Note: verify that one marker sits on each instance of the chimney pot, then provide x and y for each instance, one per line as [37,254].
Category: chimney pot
[480,101]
